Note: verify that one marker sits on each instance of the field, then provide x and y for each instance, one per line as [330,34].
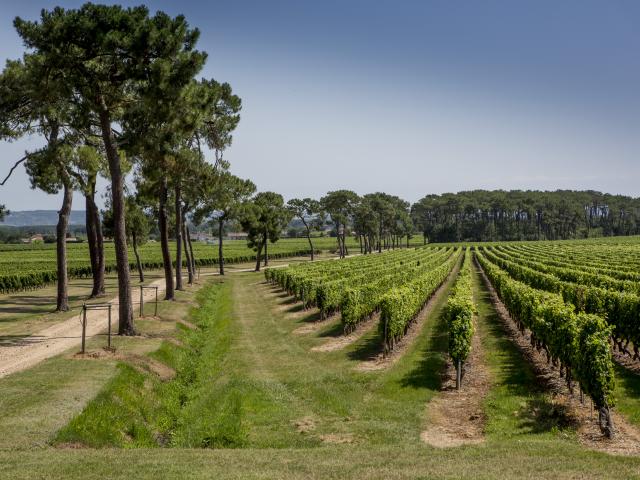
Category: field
[347,369]
[33,266]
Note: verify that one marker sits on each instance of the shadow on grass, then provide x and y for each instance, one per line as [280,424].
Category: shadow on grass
[429,370]
[370,347]
[312,317]
[629,379]
[334,331]
[541,416]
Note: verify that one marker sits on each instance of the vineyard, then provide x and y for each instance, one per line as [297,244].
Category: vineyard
[395,283]
[579,302]
[32,266]
[355,350]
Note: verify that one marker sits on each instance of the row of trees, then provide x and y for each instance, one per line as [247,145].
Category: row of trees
[113,92]
[482,215]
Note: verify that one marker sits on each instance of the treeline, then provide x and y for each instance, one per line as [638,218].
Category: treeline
[483,215]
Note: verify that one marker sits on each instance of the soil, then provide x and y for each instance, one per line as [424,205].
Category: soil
[62,336]
[141,362]
[337,438]
[456,417]
[305,425]
[626,440]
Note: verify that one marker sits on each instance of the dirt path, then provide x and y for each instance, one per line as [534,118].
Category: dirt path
[626,440]
[67,334]
[454,417]
[64,335]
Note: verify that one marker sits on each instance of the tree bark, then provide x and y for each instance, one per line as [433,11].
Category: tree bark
[95,240]
[178,208]
[220,249]
[306,225]
[258,257]
[186,251]
[190,245]
[135,251]
[125,310]
[164,241]
[266,250]
[62,302]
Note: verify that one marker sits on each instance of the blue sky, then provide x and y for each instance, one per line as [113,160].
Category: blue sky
[412,97]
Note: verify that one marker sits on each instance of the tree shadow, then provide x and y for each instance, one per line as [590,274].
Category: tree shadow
[18,340]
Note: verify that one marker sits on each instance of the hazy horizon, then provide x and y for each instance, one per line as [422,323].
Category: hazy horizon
[410,98]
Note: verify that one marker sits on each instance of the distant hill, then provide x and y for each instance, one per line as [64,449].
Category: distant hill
[28,218]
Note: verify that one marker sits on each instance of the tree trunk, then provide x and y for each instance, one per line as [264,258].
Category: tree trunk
[186,251]
[100,248]
[178,208]
[125,323]
[266,249]
[95,240]
[190,245]
[258,257]
[62,303]
[135,251]
[164,241]
[310,244]
[308,236]
[220,249]
[92,241]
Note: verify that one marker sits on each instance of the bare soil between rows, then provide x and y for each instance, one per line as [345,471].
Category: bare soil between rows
[456,417]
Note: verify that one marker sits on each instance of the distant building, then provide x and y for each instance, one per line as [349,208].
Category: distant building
[202,237]
[236,236]
[33,239]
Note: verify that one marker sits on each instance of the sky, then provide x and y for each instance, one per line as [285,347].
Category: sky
[409,97]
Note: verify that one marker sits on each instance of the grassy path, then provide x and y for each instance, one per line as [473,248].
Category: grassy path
[293,396]
[516,406]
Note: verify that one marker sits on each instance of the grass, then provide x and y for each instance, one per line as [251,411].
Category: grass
[269,407]
[516,406]
[627,394]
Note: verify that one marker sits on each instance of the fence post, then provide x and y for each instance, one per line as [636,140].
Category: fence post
[84,325]
[141,301]
[109,335]
[156,310]
[458,374]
